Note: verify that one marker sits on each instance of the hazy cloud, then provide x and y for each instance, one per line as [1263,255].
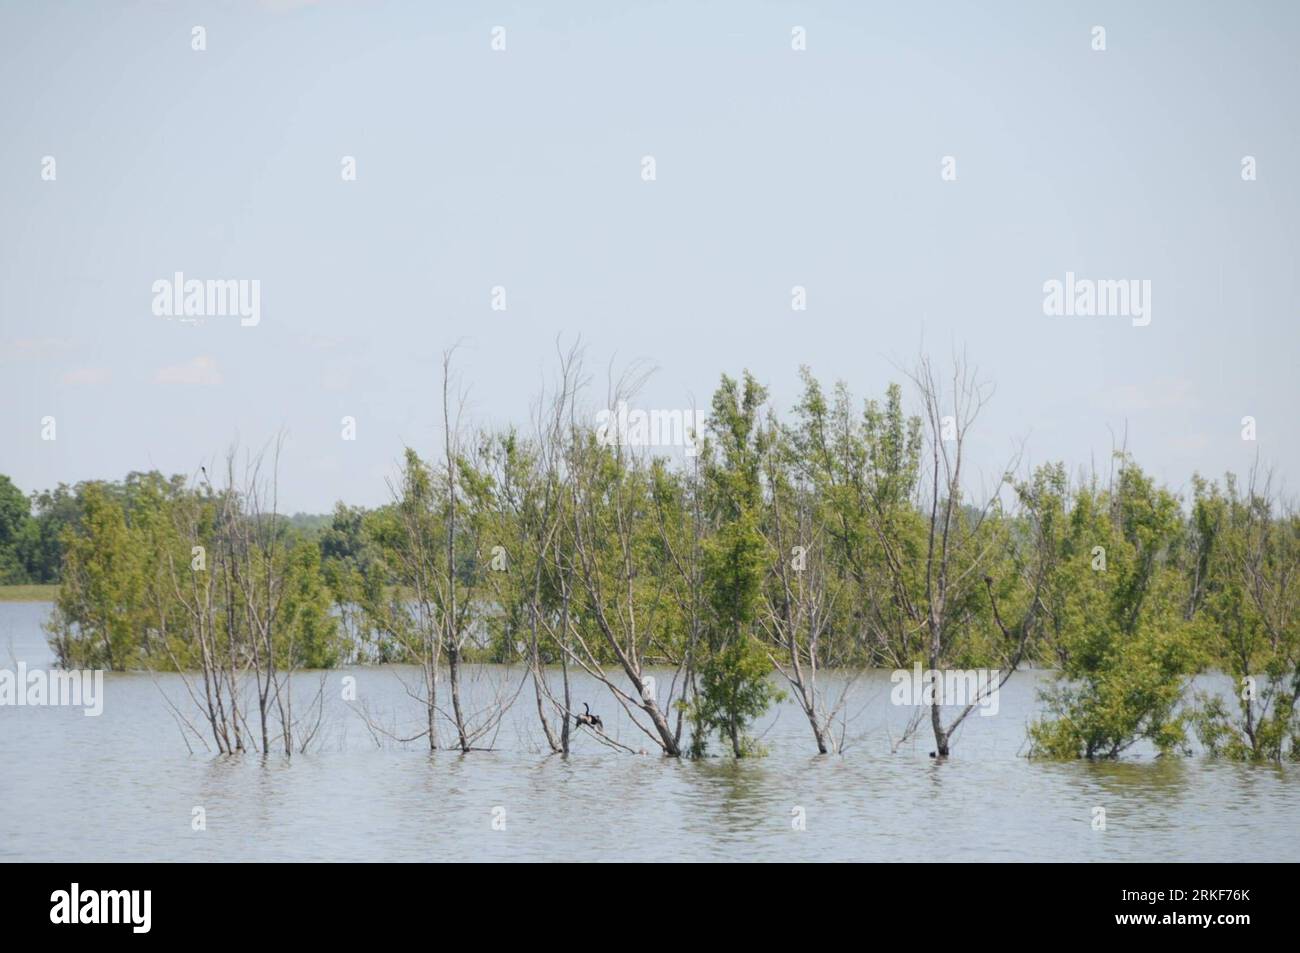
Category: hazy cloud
[32,349]
[87,376]
[1162,394]
[197,371]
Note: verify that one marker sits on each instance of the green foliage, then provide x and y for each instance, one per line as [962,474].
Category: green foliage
[1122,644]
[530,547]
[863,468]
[735,686]
[15,520]
[99,614]
[309,631]
[132,597]
[1245,560]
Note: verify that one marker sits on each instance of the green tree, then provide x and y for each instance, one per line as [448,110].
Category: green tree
[99,614]
[1119,633]
[1246,608]
[735,684]
[308,632]
[15,520]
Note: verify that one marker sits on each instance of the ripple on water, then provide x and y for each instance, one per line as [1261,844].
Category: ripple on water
[123,787]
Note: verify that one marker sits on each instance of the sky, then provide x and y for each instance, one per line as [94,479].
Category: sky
[523,168]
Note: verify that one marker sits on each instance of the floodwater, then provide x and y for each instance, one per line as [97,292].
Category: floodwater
[125,786]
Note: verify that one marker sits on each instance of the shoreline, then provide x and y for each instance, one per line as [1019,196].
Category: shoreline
[29,593]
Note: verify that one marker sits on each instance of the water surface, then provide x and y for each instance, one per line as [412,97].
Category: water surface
[123,786]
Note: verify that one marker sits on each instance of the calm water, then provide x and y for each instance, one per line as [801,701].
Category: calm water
[123,786]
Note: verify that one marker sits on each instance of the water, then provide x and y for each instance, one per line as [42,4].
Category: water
[123,787]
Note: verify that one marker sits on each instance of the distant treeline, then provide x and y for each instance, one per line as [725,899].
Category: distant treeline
[842,535]
[31,532]
[32,527]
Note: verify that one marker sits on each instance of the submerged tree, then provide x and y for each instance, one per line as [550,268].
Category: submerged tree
[695,590]
[735,687]
[798,613]
[626,610]
[1246,610]
[1118,630]
[432,539]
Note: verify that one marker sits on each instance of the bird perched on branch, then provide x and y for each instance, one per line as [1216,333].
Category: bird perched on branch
[590,720]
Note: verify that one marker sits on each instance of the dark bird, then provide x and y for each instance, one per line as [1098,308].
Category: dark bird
[590,720]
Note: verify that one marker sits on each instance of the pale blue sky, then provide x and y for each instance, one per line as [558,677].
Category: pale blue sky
[775,168]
